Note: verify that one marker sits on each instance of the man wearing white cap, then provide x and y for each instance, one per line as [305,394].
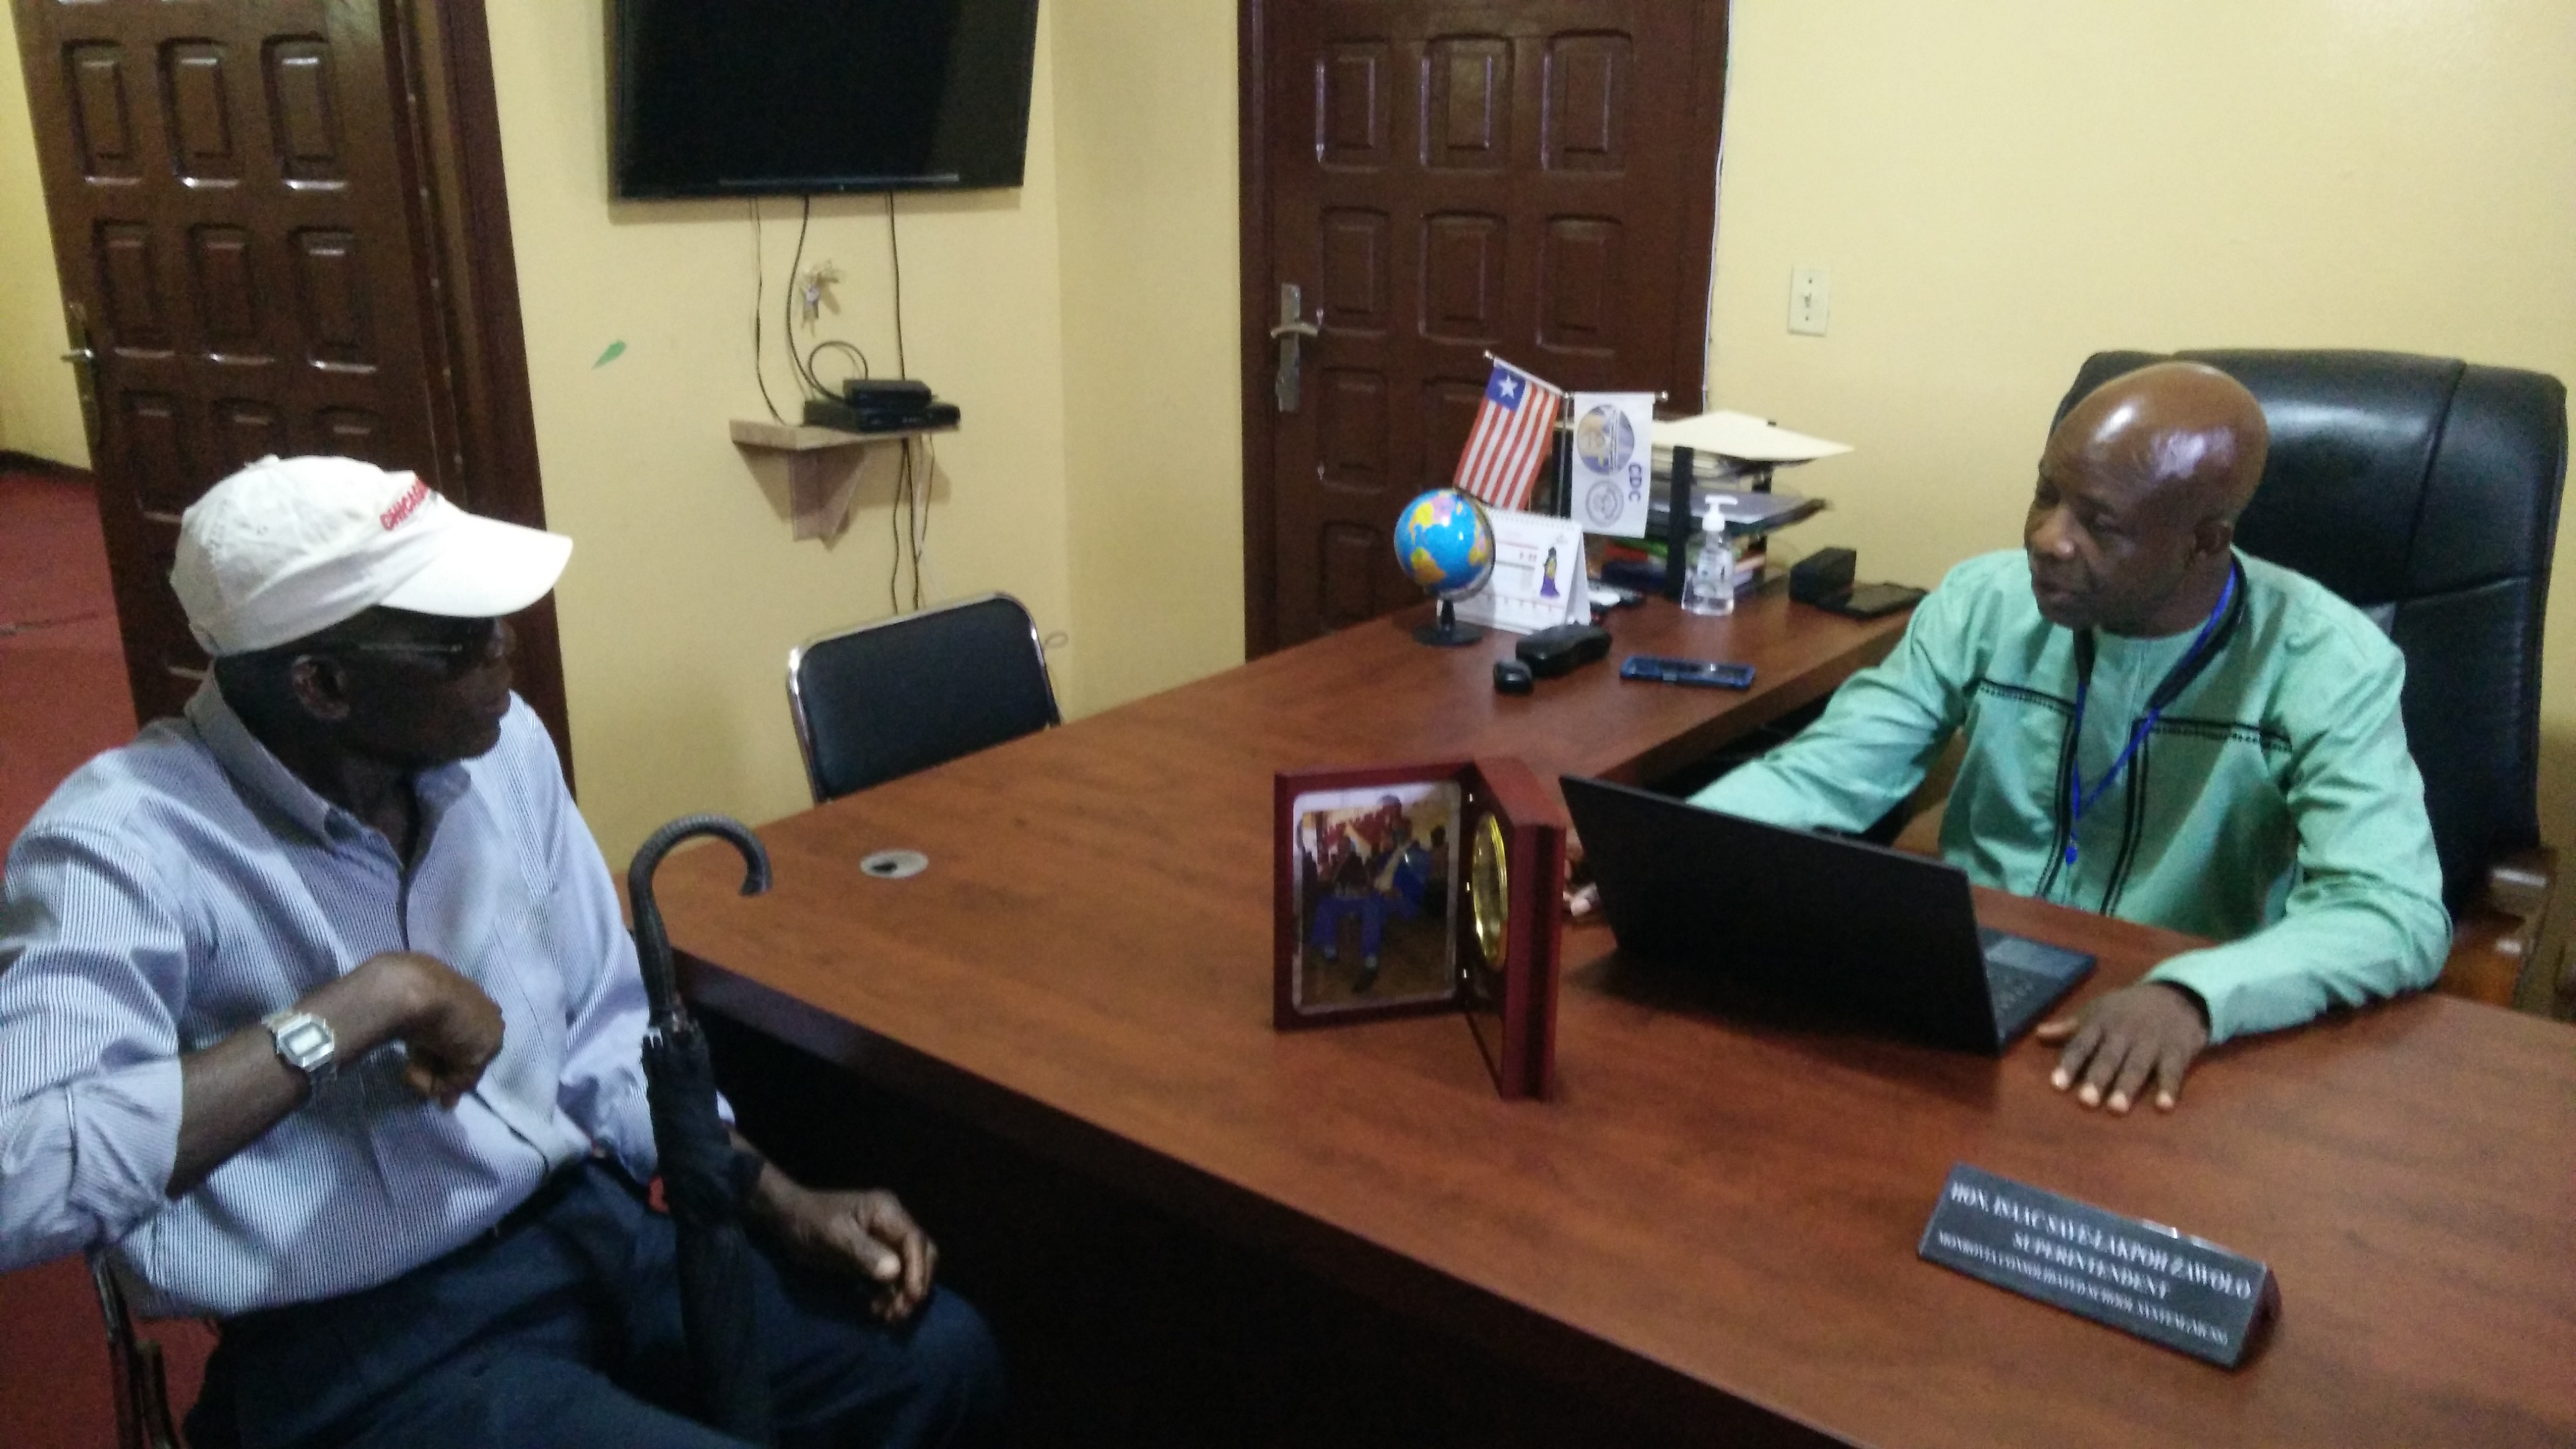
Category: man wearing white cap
[317,1012]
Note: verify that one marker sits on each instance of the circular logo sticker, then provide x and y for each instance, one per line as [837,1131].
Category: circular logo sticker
[1603,439]
[1603,501]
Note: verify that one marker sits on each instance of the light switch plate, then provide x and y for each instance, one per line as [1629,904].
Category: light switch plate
[1811,301]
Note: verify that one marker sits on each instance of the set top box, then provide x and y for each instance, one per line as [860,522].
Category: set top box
[881,405]
[860,392]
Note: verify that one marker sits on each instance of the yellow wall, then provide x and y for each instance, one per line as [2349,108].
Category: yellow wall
[1145,148]
[2000,188]
[39,410]
[1084,322]
[685,592]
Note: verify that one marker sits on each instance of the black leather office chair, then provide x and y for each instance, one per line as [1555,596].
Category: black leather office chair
[885,699]
[2425,491]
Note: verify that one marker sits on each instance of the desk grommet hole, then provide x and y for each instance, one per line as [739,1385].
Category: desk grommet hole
[895,864]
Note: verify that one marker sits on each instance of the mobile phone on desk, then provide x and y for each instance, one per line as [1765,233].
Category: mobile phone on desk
[1706,673]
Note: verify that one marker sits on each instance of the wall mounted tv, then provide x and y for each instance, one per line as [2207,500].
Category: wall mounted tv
[787,97]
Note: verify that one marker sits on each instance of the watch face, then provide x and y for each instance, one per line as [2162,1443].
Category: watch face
[1489,890]
[305,1041]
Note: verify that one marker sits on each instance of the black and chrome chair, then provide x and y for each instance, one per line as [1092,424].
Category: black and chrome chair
[2425,491]
[137,1378]
[883,700]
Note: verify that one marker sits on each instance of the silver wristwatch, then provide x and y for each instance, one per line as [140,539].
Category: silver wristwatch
[304,1042]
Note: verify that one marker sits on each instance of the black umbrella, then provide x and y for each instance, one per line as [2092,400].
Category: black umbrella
[703,1178]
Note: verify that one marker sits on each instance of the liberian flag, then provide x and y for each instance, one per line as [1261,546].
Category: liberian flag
[1515,427]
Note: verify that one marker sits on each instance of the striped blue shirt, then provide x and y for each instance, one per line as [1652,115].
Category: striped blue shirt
[184,886]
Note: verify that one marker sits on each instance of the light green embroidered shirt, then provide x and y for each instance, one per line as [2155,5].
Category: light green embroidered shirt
[2273,807]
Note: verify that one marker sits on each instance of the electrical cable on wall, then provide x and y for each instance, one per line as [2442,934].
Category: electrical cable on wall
[917,498]
[827,344]
[759,281]
[787,314]
[921,531]
[912,502]
[894,538]
[908,523]
[894,247]
[908,520]
[804,366]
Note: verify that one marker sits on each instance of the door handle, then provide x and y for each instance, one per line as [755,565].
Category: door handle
[1290,334]
[84,361]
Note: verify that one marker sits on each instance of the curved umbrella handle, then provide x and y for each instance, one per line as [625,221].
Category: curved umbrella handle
[652,943]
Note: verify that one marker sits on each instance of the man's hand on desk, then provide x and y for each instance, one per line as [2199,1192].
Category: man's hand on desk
[2122,1039]
[865,1234]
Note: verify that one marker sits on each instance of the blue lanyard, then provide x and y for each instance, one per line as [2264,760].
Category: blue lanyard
[2079,797]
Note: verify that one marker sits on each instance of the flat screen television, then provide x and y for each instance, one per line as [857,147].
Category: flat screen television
[788,97]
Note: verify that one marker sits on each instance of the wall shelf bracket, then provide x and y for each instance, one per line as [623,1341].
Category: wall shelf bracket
[823,466]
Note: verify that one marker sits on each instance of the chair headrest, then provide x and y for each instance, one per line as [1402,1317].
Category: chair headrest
[2392,476]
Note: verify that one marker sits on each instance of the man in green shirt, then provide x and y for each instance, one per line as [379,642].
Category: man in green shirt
[2158,728]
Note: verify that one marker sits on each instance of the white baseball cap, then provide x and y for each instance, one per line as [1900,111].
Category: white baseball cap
[290,546]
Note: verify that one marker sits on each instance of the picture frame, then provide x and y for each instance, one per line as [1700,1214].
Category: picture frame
[1413,889]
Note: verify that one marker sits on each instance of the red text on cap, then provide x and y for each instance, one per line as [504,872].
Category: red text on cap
[405,506]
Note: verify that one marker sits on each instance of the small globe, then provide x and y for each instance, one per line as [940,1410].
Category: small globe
[1445,543]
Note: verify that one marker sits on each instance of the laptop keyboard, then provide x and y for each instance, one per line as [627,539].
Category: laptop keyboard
[2013,988]
[2016,952]
[2021,973]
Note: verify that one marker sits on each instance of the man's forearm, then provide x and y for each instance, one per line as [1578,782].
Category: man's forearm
[2343,952]
[231,1093]
[767,1200]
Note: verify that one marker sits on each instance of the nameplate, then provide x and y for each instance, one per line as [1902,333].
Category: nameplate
[2140,1277]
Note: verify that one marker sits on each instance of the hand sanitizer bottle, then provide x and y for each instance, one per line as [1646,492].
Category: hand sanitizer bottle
[1709,587]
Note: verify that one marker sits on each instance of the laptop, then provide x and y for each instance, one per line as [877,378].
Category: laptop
[1815,919]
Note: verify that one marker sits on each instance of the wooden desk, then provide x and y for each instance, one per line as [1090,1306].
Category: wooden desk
[1717,1220]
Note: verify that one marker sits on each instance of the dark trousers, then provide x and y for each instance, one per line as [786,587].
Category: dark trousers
[563,1328]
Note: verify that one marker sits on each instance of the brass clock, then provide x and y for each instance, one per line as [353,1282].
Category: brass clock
[1489,890]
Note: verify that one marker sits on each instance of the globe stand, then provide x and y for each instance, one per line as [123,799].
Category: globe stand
[1448,633]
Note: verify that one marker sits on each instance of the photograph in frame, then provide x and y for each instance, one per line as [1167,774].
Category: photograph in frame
[1375,877]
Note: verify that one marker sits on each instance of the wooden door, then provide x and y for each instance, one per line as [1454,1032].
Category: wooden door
[1535,178]
[275,226]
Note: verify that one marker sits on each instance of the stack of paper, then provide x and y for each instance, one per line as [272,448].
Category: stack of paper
[1739,436]
[1731,452]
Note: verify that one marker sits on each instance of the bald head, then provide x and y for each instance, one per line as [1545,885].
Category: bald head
[2173,425]
[2134,519]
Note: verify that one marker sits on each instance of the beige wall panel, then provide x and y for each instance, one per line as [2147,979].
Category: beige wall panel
[39,406]
[1145,149]
[2000,188]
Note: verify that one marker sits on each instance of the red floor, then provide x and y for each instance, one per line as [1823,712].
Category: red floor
[63,698]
